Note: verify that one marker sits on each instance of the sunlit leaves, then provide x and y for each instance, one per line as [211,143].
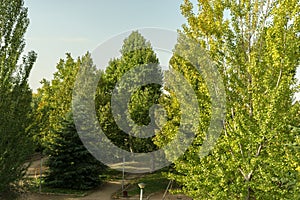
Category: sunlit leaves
[15,94]
[256,48]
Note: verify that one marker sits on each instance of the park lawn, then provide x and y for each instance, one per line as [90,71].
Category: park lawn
[155,182]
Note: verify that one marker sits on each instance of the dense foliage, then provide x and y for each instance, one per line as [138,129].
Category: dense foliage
[136,52]
[70,164]
[15,94]
[53,101]
[255,46]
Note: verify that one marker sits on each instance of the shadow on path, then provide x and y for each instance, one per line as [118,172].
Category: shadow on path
[103,193]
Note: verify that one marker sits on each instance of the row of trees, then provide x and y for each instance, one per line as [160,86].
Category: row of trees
[44,120]
[41,121]
[70,164]
[254,47]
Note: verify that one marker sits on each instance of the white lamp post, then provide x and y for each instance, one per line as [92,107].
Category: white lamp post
[141,186]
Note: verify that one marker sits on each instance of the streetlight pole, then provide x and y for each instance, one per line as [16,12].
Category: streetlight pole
[41,174]
[123,174]
[142,186]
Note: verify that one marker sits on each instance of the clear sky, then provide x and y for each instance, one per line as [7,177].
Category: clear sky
[77,26]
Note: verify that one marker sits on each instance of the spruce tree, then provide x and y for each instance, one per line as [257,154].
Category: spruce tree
[70,163]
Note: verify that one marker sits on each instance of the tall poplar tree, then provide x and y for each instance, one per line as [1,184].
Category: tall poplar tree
[255,46]
[15,94]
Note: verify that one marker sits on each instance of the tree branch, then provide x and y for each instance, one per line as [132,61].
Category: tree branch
[279,77]
[248,176]
[241,150]
[258,150]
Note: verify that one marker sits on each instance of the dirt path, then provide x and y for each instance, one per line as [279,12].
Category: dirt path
[104,193]
[159,196]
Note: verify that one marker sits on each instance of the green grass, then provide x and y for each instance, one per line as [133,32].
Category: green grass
[111,174]
[33,185]
[50,190]
[154,183]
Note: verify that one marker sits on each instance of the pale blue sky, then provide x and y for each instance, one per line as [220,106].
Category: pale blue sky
[77,26]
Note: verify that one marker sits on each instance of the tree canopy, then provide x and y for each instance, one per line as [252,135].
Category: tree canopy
[255,47]
[15,94]
[136,52]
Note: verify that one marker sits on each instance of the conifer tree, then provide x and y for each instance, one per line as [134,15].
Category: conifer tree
[70,163]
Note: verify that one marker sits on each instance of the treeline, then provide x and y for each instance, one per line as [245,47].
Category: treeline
[254,47]
[54,130]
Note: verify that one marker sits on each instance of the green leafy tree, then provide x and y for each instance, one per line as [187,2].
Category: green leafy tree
[70,164]
[53,101]
[136,52]
[15,94]
[255,46]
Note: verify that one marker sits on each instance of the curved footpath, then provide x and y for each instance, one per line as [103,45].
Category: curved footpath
[103,193]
